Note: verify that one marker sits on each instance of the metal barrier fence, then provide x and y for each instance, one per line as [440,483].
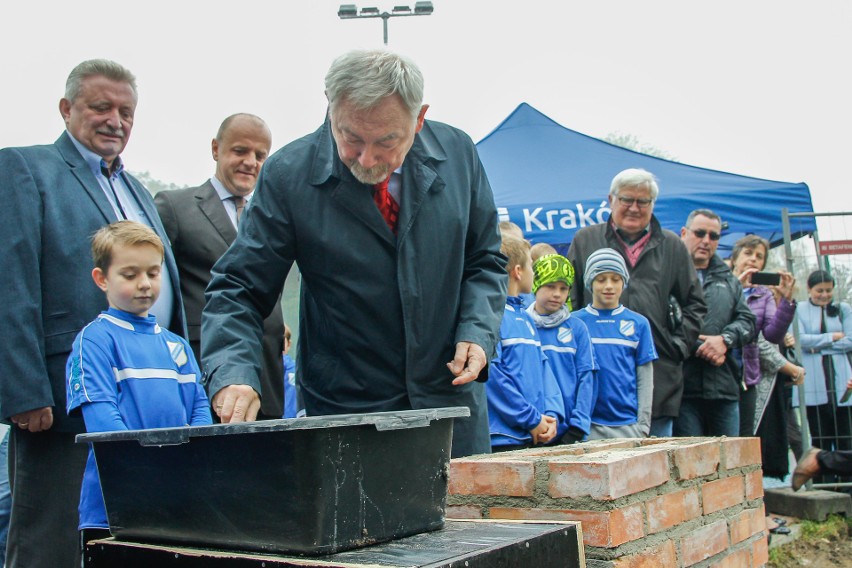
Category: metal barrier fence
[825,416]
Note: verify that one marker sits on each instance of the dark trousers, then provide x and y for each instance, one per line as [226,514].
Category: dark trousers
[831,429]
[748,402]
[708,417]
[45,473]
[838,462]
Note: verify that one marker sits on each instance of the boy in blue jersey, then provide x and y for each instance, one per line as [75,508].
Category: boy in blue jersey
[565,340]
[125,372]
[624,352]
[524,403]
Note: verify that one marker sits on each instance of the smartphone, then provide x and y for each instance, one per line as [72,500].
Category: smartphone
[766,278]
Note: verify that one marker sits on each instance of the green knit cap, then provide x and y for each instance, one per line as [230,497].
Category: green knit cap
[552,268]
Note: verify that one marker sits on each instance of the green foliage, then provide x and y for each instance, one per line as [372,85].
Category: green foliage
[832,528]
[154,185]
[631,142]
[805,262]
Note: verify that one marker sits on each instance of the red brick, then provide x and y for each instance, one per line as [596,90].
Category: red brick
[492,477]
[746,524]
[740,452]
[672,509]
[737,559]
[609,475]
[759,552]
[464,512]
[696,460]
[754,484]
[605,529]
[663,555]
[703,543]
[722,493]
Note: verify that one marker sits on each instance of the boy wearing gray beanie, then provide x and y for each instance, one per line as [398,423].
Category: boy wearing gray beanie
[624,351]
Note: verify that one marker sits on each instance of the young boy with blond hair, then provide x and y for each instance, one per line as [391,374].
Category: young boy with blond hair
[624,352]
[125,372]
[565,340]
[524,403]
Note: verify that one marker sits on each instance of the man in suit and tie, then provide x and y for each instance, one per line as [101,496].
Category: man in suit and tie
[55,197]
[202,223]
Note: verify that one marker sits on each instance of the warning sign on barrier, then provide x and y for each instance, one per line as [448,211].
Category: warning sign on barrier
[835,247]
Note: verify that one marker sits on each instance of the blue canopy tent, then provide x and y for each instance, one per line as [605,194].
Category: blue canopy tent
[552,181]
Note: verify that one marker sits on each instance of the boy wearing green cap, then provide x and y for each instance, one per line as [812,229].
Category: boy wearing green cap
[565,340]
[624,351]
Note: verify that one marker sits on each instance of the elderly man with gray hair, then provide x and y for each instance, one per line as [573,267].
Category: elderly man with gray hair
[392,222]
[57,196]
[663,285]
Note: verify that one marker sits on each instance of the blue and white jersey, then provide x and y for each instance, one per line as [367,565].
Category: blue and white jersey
[138,376]
[521,386]
[569,352]
[622,342]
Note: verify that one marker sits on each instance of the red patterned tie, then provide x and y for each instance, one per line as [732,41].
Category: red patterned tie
[387,205]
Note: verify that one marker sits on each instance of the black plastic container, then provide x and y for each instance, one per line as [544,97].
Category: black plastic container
[313,485]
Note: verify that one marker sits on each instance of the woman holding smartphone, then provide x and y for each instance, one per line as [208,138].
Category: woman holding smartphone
[747,259]
[825,334]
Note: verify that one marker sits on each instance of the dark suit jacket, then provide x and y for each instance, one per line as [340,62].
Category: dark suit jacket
[52,205]
[200,232]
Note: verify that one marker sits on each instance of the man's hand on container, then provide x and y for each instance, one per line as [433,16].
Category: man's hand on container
[236,403]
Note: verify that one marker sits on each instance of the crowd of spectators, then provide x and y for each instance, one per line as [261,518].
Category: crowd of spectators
[637,331]
[722,360]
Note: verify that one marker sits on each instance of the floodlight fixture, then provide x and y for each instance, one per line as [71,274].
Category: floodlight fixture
[350,11]
[347,11]
[423,8]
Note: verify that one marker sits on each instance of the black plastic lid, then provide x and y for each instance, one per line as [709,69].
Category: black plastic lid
[398,420]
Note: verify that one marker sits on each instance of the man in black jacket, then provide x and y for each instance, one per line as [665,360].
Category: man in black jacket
[660,278]
[713,374]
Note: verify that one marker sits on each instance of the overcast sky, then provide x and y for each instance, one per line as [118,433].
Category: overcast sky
[753,87]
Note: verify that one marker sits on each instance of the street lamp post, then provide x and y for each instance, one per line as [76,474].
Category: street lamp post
[350,11]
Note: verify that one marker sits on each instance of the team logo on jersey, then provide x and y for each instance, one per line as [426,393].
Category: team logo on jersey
[565,335]
[178,353]
[627,327]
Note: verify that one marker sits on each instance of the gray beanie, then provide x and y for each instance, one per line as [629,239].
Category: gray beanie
[604,260]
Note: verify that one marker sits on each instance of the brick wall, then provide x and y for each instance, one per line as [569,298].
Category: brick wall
[642,503]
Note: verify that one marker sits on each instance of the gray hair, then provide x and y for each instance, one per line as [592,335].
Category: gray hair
[92,67]
[704,213]
[365,77]
[635,177]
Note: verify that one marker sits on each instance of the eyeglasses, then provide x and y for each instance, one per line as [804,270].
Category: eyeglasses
[701,233]
[629,201]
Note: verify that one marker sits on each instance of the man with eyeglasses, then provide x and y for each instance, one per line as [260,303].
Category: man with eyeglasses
[663,286]
[712,377]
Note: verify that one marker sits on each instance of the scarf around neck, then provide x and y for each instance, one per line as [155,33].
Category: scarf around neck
[549,320]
